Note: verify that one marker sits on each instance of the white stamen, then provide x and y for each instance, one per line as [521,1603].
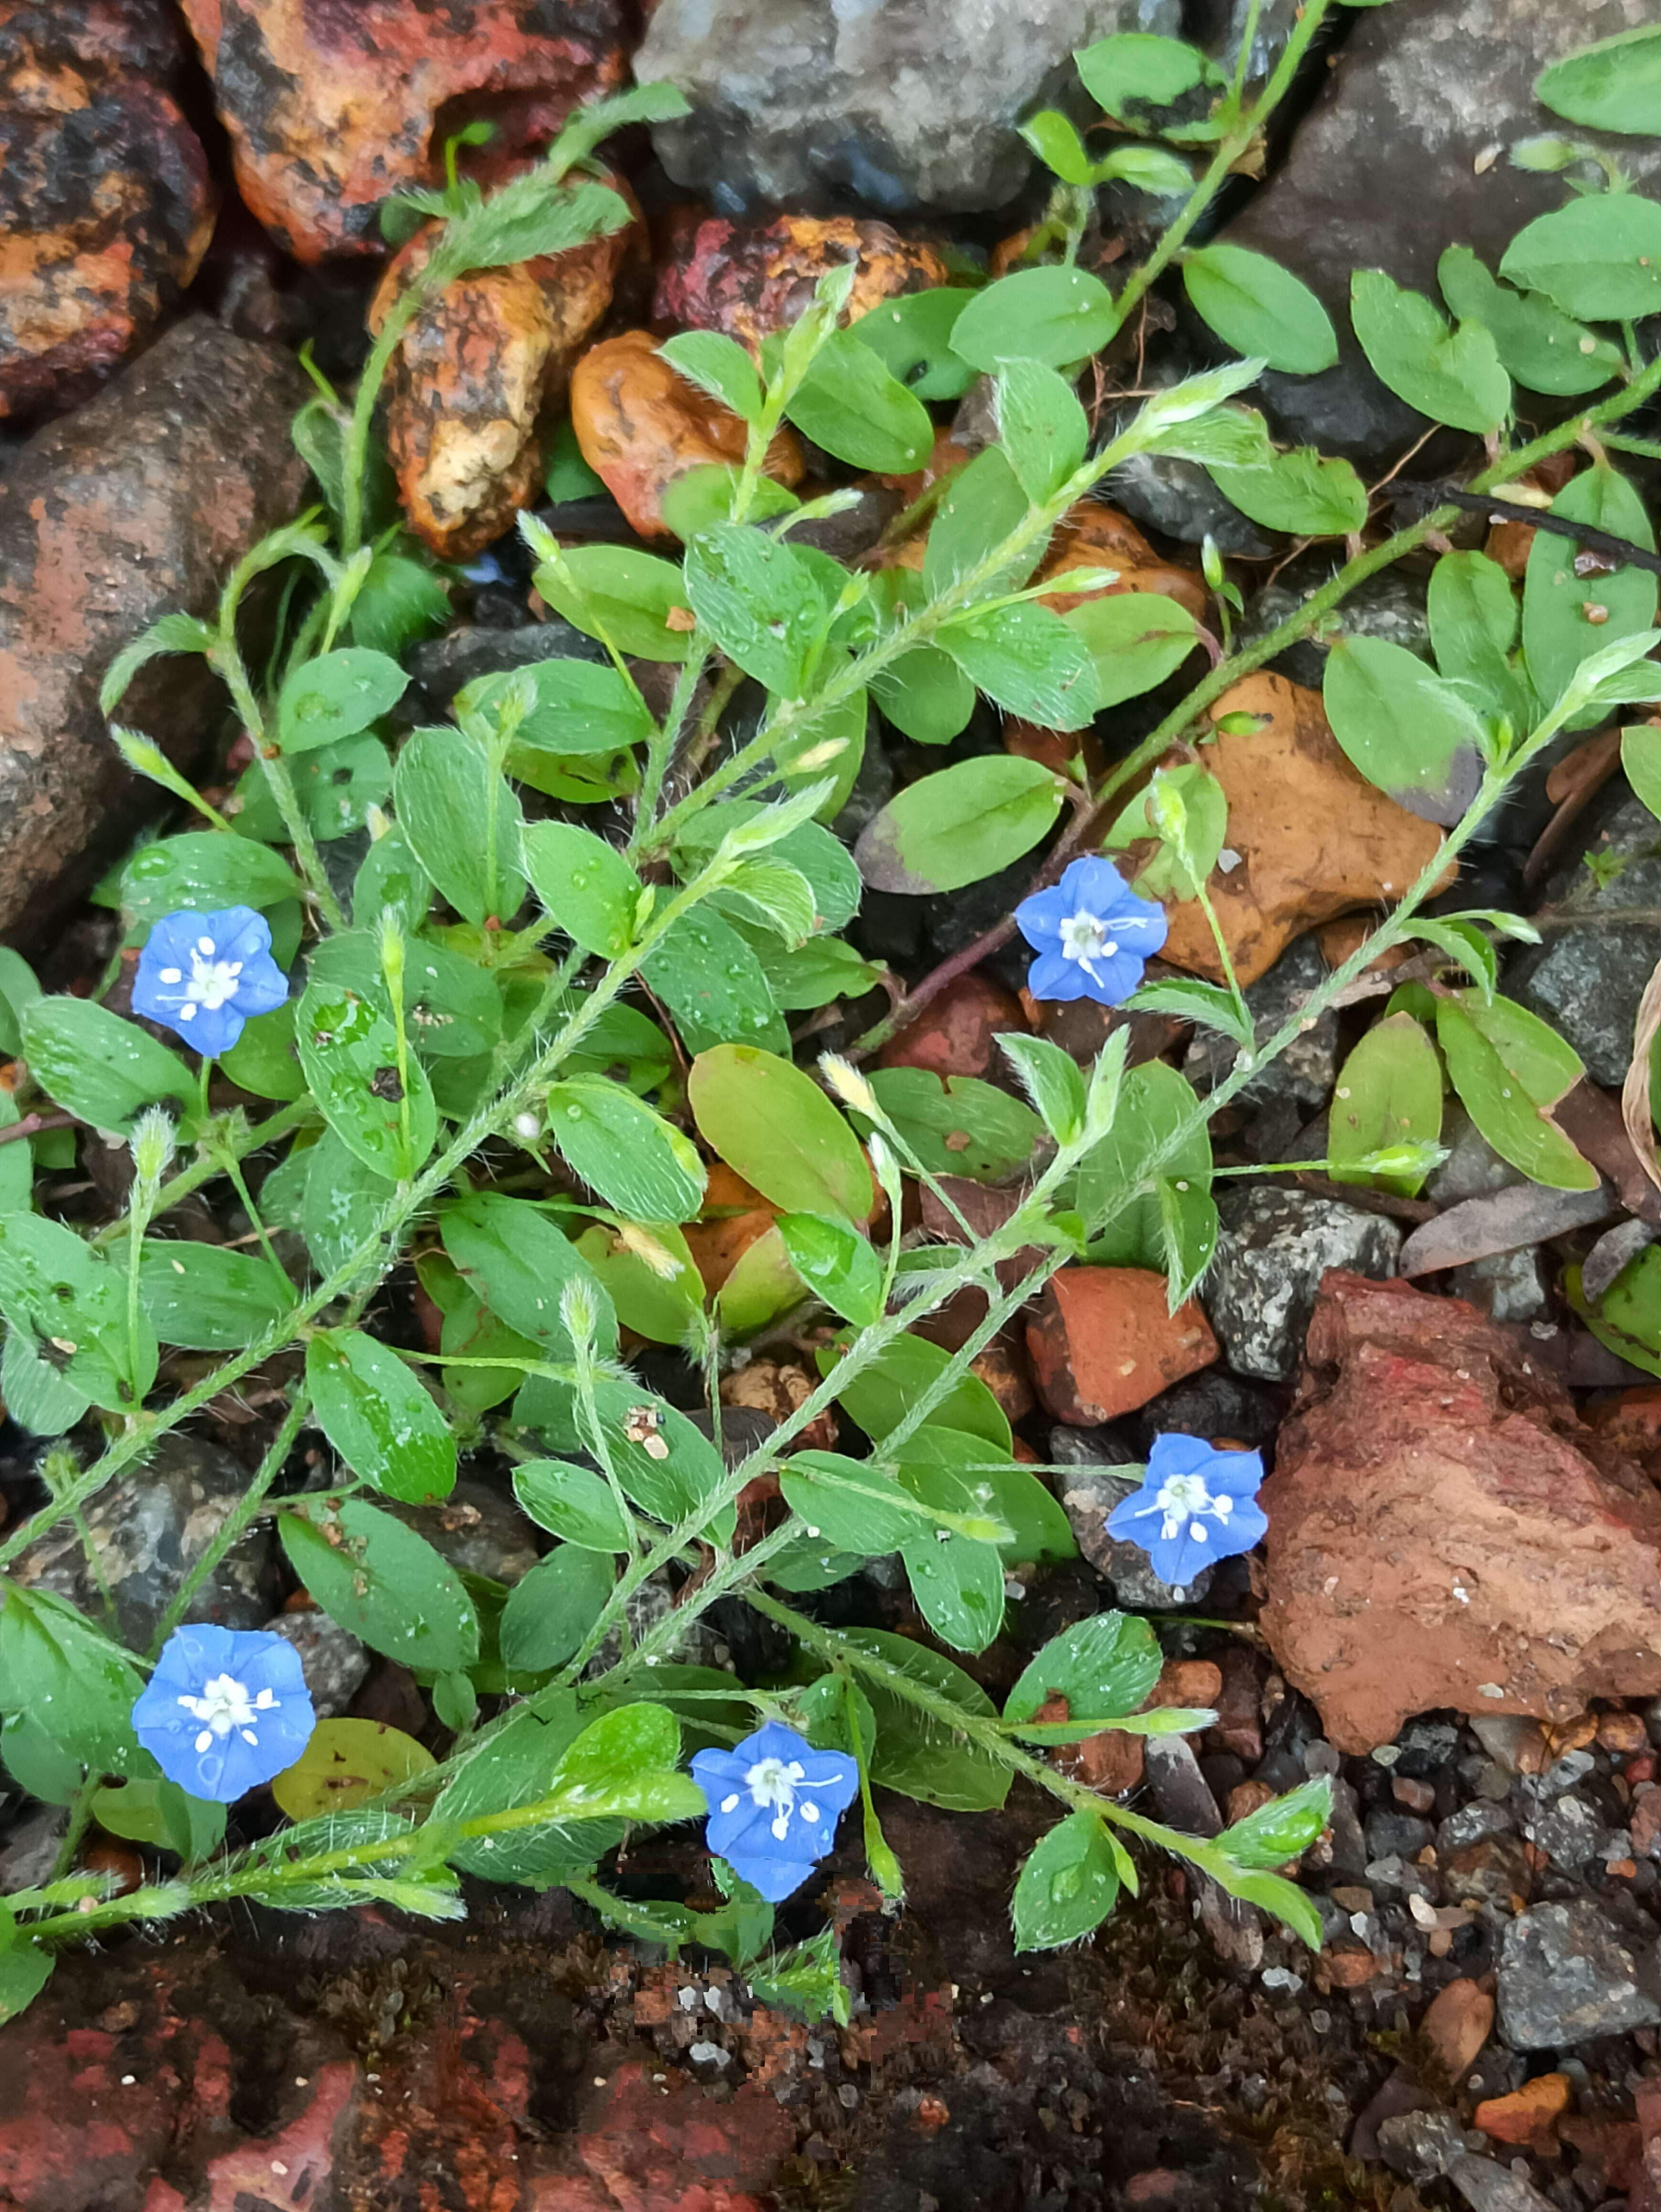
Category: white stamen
[781,1828]
[187,1013]
[810,1811]
[770,1782]
[225,1704]
[171,975]
[730,1804]
[205,945]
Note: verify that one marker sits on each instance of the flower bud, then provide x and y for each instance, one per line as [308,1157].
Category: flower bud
[152,1144]
[849,1085]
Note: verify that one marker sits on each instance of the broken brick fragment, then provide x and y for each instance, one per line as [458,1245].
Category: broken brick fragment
[750,279]
[1102,1343]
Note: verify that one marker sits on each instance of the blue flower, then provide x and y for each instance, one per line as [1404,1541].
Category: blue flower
[1196,1505]
[1091,933]
[204,974]
[224,1710]
[774,1805]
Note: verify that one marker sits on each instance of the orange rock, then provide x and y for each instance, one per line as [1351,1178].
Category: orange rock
[750,279]
[1630,1424]
[1097,536]
[472,375]
[1528,2115]
[329,109]
[1347,1970]
[1458,2023]
[1111,1762]
[105,204]
[1102,1343]
[956,1034]
[1622,1733]
[1002,1367]
[1314,839]
[641,426]
[1338,939]
[733,1217]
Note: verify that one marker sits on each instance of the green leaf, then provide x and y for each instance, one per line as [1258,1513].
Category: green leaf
[1613,86]
[343,1203]
[336,696]
[391,875]
[1191,1001]
[400,601]
[1453,376]
[68,1678]
[823,858]
[1279,1831]
[174,633]
[624,1764]
[958,1582]
[619,1146]
[1136,639]
[849,404]
[579,707]
[16,1161]
[1105,1666]
[759,601]
[381,1581]
[1068,1885]
[551,1610]
[912,338]
[1299,493]
[347,1764]
[1257,306]
[660,1306]
[666,1464]
[925,695]
[718,365]
[1045,433]
[776,1128]
[207,1298]
[19,989]
[348,1051]
[1640,759]
[572,1503]
[1389,1092]
[954,828]
[516,1260]
[1474,622]
[1408,733]
[1272,1893]
[201,871]
[621,596]
[1054,137]
[1037,1532]
[1510,1070]
[25,1970]
[881,1394]
[1052,1080]
[982,505]
[335,787]
[714,984]
[916,1754]
[586,886]
[525,1752]
[1543,349]
[958,1125]
[1599,258]
[61,1298]
[1054,315]
[1155,1102]
[1188,1234]
[97,1067]
[375,1413]
[1557,636]
[851,1504]
[37,1396]
[1029,661]
[1187,810]
[1138,69]
[837,1265]
[462,822]
[160,1813]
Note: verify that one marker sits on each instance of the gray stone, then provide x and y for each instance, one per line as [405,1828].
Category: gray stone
[1399,1835]
[31,1847]
[1275,1247]
[1390,605]
[1487,2186]
[906,105]
[1089,1491]
[1421,2146]
[137,504]
[1474,1824]
[1424,1747]
[439,666]
[1306,1071]
[1509,1286]
[1587,982]
[1472,1169]
[1403,154]
[477,1529]
[148,1528]
[334,1660]
[1175,497]
[1212,1403]
[1567,1973]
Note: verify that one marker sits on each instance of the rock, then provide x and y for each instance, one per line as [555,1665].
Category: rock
[957,1033]
[473,376]
[1102,1342]
[1472,1169]
[901,106]
[330,109]
[1213,1405]
[1475,1823]
[139,503]
[1487,2186]
[1220,26]
[1089,1491]
[750,279]
[1587,982]
[1443,1532]
[1306,1071]
[1274,1247]
[1567,1973]
[1313,838]
[1091,536]
[334,1660]
[1396,1835]
[1567,1830]
[476,1528]
[1528,2113]
[439,666]
[149,1527]
[1390,605]
[1417,114]
[105,198]
[1507,1286]
[1455,2026]
[1421,2146]
[641,426]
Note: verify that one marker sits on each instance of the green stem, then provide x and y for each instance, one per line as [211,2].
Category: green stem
[245,1198]
[239,1517]
[208,1164]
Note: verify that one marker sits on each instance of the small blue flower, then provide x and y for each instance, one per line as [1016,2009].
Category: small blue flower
[1091,933]
[1196,1505]
[204,974]
[224,1710]
[774,1805]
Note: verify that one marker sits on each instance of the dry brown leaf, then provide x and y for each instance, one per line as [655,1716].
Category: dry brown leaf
[1635,1091]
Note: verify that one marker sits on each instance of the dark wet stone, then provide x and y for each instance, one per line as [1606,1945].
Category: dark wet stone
[1568,1973]
[334,1661]
[1275,1247]
[1212,1404]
